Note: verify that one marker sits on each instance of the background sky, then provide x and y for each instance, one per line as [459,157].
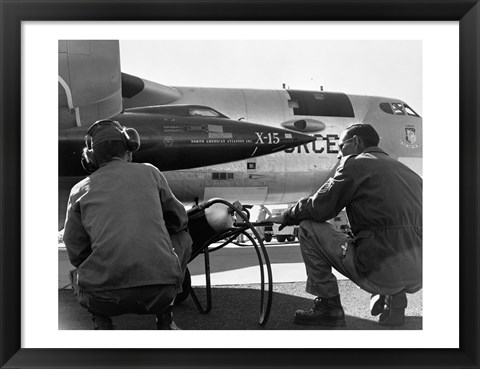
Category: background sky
[390,68]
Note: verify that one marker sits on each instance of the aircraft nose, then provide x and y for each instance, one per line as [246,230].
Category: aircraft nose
[242,140]
[190,142]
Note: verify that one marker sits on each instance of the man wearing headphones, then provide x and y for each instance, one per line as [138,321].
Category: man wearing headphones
[125,232]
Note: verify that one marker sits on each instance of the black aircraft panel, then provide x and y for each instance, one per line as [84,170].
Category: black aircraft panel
[319,103]
[179,142]
[131,85]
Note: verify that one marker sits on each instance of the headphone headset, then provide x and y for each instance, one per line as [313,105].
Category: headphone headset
[130,135]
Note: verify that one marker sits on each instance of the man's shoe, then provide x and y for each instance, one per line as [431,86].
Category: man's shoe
[394,314]
[326,312]
[165,321]
[377,304]
[102,322]
[392,317]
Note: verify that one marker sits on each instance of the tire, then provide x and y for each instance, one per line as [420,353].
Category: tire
[268,237]
[290,238]
[280,238]
[187,283]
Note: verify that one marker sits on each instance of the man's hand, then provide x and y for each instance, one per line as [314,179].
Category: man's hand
[279,219]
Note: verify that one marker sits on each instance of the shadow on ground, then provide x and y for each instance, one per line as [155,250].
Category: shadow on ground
[238,308]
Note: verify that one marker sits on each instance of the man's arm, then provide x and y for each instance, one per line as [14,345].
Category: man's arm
[174,213]
[279,219]
[327,202]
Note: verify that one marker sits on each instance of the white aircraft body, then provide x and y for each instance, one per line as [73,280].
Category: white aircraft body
[285,176]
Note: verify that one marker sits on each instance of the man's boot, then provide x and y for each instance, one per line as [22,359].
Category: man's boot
[394,314]
[327,312]
[377,304]
[165,320]
[102,322]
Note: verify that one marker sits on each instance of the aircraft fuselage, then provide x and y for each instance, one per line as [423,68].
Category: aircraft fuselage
[286,176]
[201,167]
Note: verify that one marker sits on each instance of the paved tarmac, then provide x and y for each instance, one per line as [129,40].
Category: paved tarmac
[232,265]
[236,296]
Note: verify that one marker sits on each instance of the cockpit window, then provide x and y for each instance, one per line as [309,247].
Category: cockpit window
[386,108]
[410,111]
[398,109]
[187,111]
[203,112]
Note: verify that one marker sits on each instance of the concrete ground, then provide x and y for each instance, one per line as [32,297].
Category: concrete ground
[236,297]
[237,307]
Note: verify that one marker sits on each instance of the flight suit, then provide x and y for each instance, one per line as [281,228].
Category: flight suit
[383,200]
[126,234]
[262,215]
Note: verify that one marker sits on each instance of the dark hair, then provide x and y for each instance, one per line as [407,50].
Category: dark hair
[366,132]
[106,151]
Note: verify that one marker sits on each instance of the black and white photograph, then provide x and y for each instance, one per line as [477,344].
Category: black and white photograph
[298,235]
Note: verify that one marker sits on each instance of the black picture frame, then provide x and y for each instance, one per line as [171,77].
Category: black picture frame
[466,12]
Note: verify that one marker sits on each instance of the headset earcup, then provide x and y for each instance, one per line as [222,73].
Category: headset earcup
[88,161]
[133,141]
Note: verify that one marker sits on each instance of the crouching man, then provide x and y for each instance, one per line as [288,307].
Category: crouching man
[125,232]
[383,199]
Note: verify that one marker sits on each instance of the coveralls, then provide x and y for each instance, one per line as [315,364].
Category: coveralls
[383,200]
[262,215]
[126,234]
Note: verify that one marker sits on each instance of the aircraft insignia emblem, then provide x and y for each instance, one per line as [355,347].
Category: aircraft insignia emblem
[410,138]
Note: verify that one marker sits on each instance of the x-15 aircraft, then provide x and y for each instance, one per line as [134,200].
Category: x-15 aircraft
[255,146]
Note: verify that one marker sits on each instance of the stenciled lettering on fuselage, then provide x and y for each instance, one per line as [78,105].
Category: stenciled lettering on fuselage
[214,141]
[323,144]
[268,138]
